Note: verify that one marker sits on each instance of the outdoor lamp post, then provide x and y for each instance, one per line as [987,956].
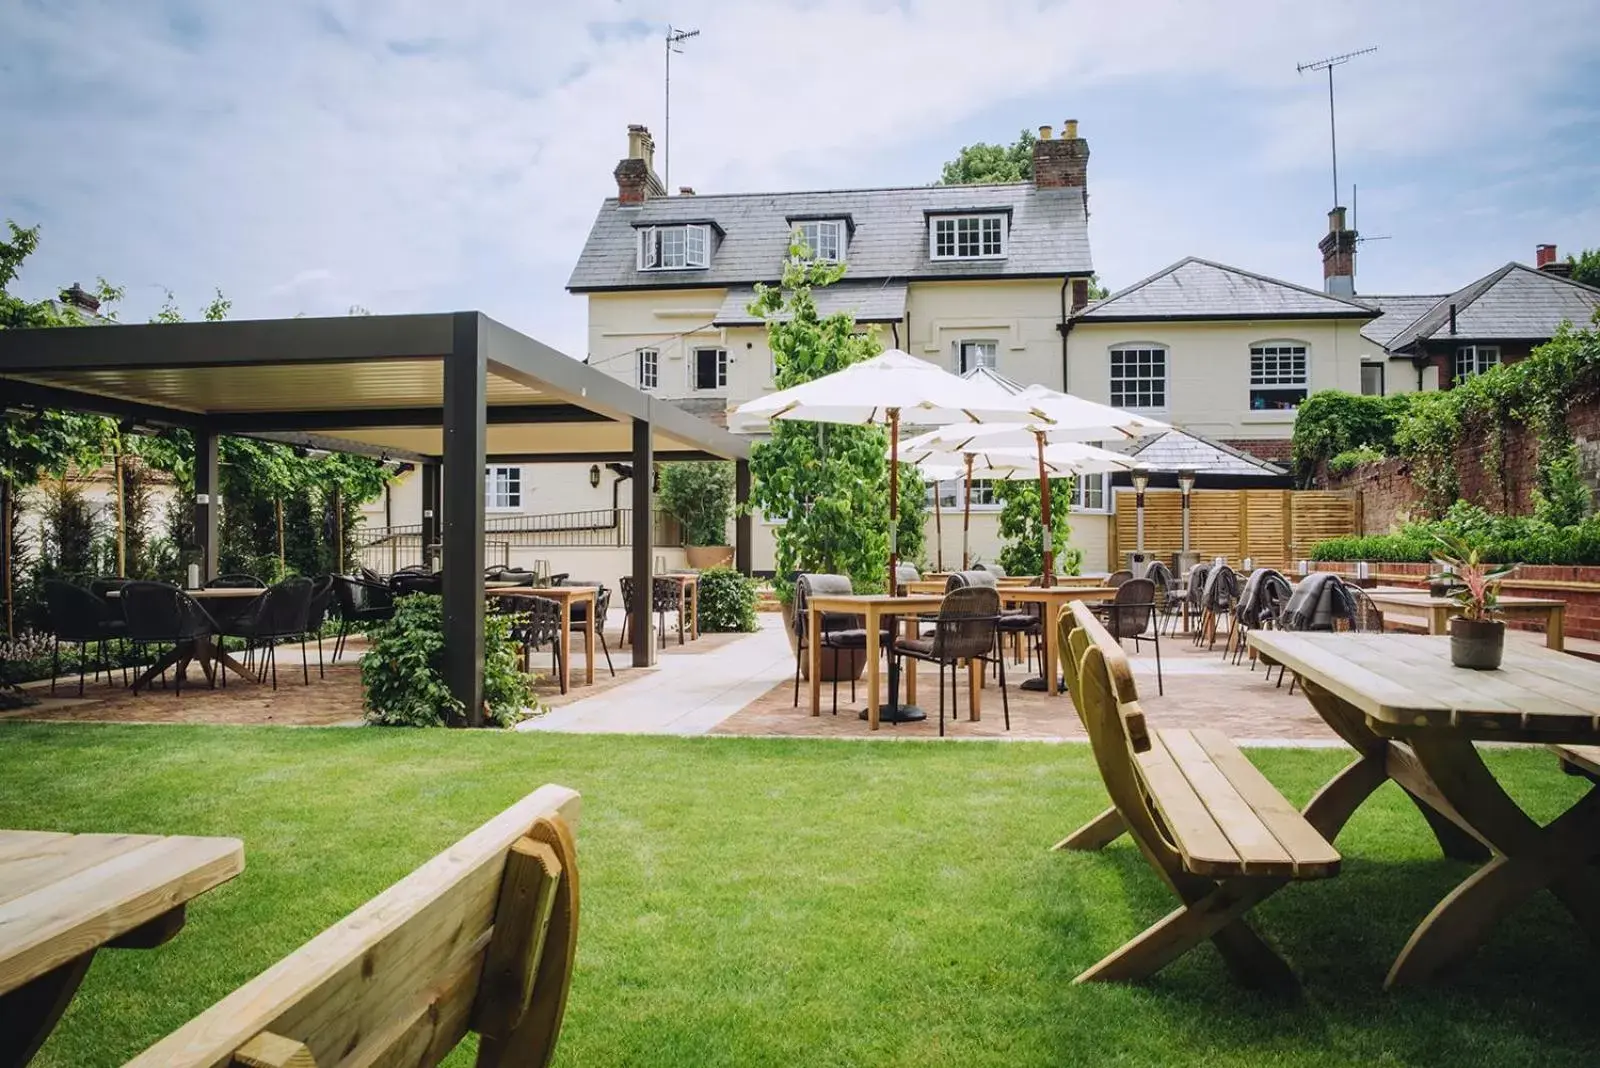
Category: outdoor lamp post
[1186,487]
[1141,481]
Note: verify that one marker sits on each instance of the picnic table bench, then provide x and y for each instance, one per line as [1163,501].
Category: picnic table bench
[479,938]
[1216,831]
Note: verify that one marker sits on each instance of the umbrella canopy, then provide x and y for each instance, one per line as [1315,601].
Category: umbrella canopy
[1062,459]
[889,387]
[866,393]
[1065,418]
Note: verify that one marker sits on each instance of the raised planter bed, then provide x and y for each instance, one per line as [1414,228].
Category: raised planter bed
[1578,586]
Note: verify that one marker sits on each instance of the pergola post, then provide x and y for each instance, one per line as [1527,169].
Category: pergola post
[642,624]
[430,512]
[743,523]
[207,501]
[465,388]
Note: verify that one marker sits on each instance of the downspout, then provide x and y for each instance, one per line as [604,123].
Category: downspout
[1066,328]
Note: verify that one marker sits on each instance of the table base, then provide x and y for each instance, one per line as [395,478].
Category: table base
[1038,684]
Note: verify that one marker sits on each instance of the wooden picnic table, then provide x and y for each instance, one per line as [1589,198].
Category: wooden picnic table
[64,896]
[872,607]
[566,596]
[1414,718]
[1438,610]
[207,648]
[1054,599]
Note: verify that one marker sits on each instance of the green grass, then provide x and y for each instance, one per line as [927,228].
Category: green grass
[755,902]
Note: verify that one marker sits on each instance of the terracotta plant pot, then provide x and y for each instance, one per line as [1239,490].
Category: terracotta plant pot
[704,556]
[1477,644]
[841,664]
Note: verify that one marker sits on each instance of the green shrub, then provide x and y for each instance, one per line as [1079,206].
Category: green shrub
[1351,459]
[1022,525]
[403,672]
[700,496]
[1331,423]
[1503,539]
[727,601]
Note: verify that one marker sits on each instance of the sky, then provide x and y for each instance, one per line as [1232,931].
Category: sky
[305,156]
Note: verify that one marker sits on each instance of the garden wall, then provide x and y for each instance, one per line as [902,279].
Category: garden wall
[1389,496]
[1578,586]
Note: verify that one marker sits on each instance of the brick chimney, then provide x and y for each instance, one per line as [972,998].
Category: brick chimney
[76,297]
[1546,259]
[636,176]
[1061,163]
[1080,294]
[1338,257]
[686,190]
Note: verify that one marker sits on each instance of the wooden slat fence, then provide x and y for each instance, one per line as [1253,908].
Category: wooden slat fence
[1274,528]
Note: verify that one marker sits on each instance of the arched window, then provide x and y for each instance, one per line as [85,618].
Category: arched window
[1280,375]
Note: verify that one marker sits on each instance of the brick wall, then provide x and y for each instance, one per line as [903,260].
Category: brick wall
[1578,586]
[1272,450]
[1388,495]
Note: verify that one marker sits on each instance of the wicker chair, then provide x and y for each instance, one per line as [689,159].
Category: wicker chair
[159,614]
[839,631]
[1217,599]
[317,615]
[1188,594]
[965,629]
[78,617]
[1130,614]
[580,614]
[1265,594]
[360,601]
[1117,578]
[993,568]
[237,581]
[280,613]
[1364,616]
[405,582]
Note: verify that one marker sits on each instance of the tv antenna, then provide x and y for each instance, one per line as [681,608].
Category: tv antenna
[1355,224]
[1333,138]
[674,39]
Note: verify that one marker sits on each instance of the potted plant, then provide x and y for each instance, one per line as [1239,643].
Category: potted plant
[1477,639]
[699,495]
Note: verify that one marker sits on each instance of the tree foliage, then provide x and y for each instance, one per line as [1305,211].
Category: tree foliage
[826,484]
[984,163]
[699,495]
[1586,267]
[1022,526]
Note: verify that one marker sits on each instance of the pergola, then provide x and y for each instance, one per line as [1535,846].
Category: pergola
[451,392]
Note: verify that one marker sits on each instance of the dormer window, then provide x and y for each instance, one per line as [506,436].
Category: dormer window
[824,237]
[967,237]
[674,248]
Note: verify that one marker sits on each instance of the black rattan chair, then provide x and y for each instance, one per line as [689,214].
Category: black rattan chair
[78,617]
[580,615]
[965,629]
[1131,614]
[360,603]
[279,614]
[664,598]
[405,583]
[159,614]
[317,615]
[840,631]
[238,581]
[1117,578]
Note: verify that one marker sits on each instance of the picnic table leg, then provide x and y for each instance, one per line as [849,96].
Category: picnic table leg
[1096,834]
[1439,619]
[566,645]
[588,642]
[1555,628]
[872,669]
[30,1012]
[814,658]
[1050,651]
[1528,858]
[1379,761]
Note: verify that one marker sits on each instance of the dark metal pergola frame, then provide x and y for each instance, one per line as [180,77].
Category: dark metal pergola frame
[156,375]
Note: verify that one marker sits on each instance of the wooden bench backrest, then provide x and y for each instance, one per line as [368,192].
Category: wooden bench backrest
[1108,701]
[479,938]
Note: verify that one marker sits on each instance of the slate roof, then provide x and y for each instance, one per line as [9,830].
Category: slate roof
[1398,312]
[871,302]
[1048,235]
[1194,288]
[1514,303]
[1177,451]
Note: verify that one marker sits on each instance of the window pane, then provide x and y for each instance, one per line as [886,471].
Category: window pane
[649,368]
[1372,379]
[1139,378]
[696,240]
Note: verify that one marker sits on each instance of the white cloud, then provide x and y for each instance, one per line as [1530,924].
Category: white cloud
[432,156]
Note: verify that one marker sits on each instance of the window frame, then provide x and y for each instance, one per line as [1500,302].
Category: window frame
[721,376]
[954,219]
[651,359]
[1383,378]
[994,354]
[651,247]
[1080,494]
[841,238]
[1476,353]
[990,503]
[491,489]
[1274,381]
[1165,380]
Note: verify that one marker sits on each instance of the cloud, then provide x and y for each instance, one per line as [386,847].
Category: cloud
[433,156]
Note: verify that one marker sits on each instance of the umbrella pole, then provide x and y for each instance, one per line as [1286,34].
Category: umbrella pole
[894,499]
[1048,579]
[938,529]
[966,517]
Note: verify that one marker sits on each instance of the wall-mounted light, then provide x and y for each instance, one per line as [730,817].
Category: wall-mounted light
[594,476]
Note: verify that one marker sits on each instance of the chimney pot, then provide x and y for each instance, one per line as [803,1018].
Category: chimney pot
[1045,133]
[1338,256]
[1543,256]
[1069,129]
[686,190]
[1061,163]
[636,174]
[79,298]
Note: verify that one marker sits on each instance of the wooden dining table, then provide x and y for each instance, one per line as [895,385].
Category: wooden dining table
[566,596]
[1054,599]
[207,649]
[63,897]
[872,608]
[1415,719]
[1438,610]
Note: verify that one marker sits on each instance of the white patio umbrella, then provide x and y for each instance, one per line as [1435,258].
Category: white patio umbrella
[885,390]
[1061,460]
[1065,419]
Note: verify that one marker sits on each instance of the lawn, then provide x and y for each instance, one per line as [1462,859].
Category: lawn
[756,902]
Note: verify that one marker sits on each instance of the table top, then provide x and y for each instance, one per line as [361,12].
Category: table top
[1424,599]
[1405,684]
[847,602]
[685,579]
[62,895]
[1056,593]
[213,592]
[554,593]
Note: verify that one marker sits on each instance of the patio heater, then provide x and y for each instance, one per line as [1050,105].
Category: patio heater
[1186,558]
[1141,482]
